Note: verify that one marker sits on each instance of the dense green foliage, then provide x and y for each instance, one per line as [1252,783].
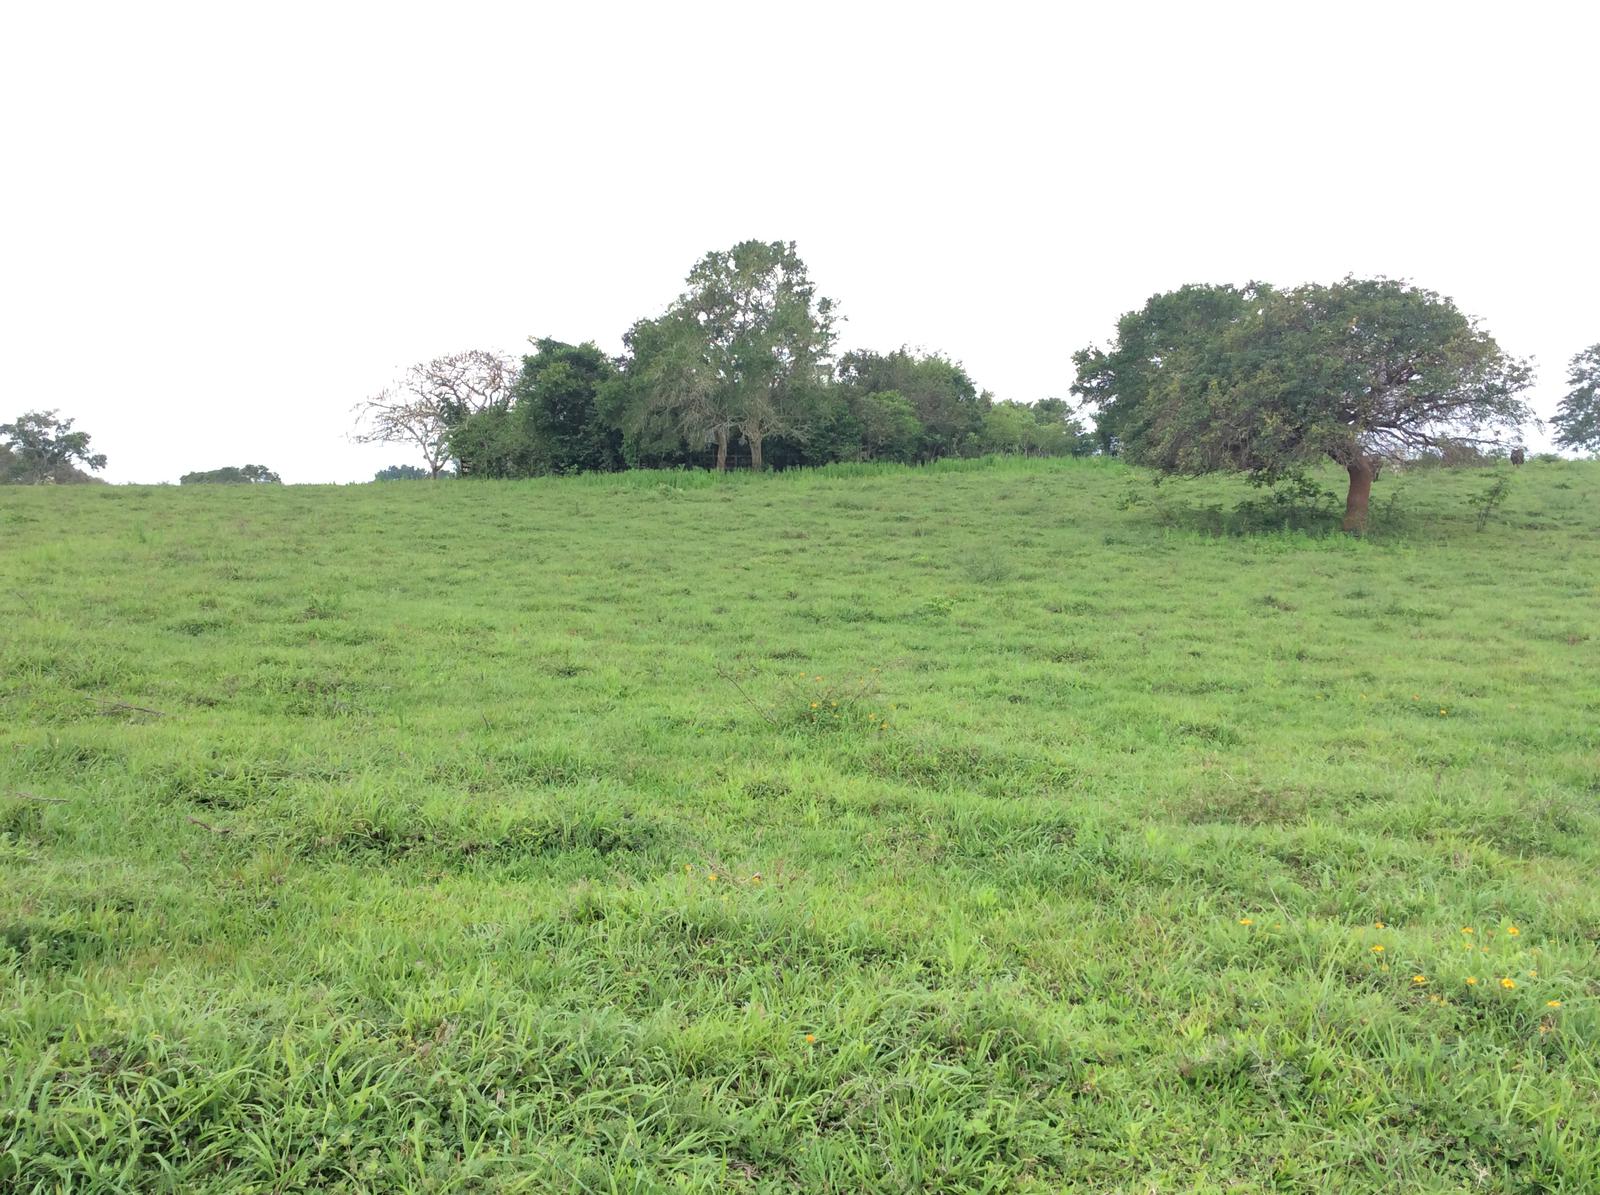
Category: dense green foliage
[948,406]
[738,370]
[40,448]
[233,475]
[550,422]
[401,473]
[407,838]
[1045,428]
[1265,381]
[742,352]
[1577,419]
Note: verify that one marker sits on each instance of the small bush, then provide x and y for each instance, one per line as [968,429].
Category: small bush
[986,567]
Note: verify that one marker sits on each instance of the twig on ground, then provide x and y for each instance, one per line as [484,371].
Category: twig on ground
[123,705]
[209,826]
[754,704]
[42,800]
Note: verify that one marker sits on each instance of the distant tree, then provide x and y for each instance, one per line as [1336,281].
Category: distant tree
[889,427]
[741,352]
[1577,420]
[556,402]
[1211,378]
[42,449]
[1061,432]
[946,402]
[667,401]
[1044,428]
[233,475]
[430,398]
[400,473]
[462,384]
[1009,428]
[492,443]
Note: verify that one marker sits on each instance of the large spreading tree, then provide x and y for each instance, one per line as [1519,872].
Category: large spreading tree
[742,352]
[40,448]
[1577,420]
[1266,381]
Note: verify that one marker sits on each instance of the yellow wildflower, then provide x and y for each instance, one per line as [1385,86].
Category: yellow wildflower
[1246,921]
[1508,983]
[1419,979]
[1378,949]
[1472,981]
[1513,930]
[1552,1004]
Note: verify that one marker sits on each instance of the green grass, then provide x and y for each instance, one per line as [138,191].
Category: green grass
[429,862]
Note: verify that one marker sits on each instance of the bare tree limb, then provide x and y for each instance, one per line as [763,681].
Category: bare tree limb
[754,704]
[432,397]
[123,705]
[42,800]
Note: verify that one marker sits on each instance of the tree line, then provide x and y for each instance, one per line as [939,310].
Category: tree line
[742,369]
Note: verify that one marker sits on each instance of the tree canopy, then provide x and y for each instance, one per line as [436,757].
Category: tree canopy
[1576,423]
[738,369]
[947,404]
[551,422]
[1265,381]
[232,475]
[744,350]
[40,448]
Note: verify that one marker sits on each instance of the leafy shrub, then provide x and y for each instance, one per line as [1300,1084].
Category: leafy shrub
[1294,504]
[986,567]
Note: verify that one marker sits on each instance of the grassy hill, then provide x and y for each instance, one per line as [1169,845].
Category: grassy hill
[988,827]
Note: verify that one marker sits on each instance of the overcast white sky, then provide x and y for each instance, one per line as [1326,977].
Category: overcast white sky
[225,223]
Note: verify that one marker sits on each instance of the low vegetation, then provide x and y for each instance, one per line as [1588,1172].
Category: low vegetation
[232,475]
[999,825]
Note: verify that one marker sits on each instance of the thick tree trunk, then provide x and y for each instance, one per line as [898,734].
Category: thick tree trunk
[722,450]
[755,450]
[1362,471]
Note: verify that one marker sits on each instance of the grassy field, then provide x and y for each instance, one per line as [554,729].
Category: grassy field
[993,827]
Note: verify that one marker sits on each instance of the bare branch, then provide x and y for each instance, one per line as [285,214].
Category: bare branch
[432,397]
